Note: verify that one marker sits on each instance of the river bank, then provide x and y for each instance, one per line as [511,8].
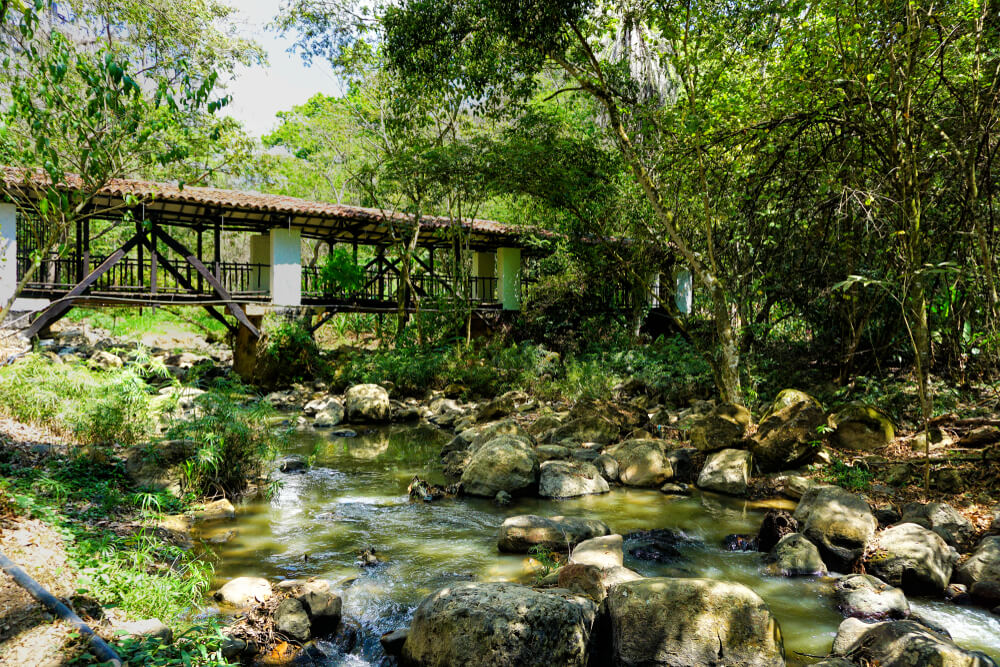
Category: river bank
[343,491]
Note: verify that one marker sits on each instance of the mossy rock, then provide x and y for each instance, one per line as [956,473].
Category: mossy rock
[859,426]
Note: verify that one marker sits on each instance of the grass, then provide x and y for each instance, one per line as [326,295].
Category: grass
[92,406]
[89,502]
[135,322]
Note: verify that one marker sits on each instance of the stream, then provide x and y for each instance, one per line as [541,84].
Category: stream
[354,497]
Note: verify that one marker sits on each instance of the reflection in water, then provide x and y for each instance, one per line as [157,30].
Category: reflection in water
[354,497]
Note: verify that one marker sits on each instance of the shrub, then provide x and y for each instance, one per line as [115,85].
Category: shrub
[108,407]
[289,353]
[234,442]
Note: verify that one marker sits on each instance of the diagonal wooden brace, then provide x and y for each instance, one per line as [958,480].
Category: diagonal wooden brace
[57,310]
[203,271]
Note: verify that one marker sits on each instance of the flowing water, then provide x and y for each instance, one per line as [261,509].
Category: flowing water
[354,497]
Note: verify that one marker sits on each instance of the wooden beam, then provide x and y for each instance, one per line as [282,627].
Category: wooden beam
[55,311]
[224,295]
[186,284]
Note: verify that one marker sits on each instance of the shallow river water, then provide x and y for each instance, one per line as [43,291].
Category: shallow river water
[354,497]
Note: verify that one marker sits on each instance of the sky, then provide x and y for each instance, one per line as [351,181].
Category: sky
[260,92]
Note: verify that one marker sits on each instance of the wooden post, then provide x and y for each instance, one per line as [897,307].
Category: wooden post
[153,256]
[245,349]
[201,255]
[139,231]
[79,251]
[217,237]
[85,255]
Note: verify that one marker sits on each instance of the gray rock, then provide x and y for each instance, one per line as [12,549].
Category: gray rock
[558,533]
[726,471]
[566,479]
[682,462]
[642,462]
[552,453]
[840,523]
[943,519]
[150,627]
[602,552]
[392,642]
[368,403]
[722,428]
[480,435]
[795,556]
[496,408]
[291,619]
[906,644]
[787,437]
[293,463]
[861,427]
[671,622]
[676,489]
[244,591]
[488,624]
[607,466]
[913,558]
[981,571]
[869,598]
[321,604]
[588,429]
[505,463]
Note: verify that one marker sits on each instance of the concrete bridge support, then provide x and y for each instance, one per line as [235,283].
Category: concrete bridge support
[8,252]
[509,277]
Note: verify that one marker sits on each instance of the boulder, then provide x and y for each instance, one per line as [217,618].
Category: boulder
[216,510]
[776,524]
[623,415]
[942,519]
[293,463]
[487,624]
[105,360]
[913,558]
[244,591]
[479,436]
[368,403]
[544,423]
[149,627]
[795,556]
[869,598]
[642,463]
[790,397]
[602,552]
[552,453]
[607,465]
[323,404]
[981,572]
[787,437]
[566,479]
[499,407]
[323,607]
[588,429]
[726,471]
[682,462]
[661,545]
[291,620]
[724,427]
[330,416]
[861,427]
[905,644]
[840,523]
[671,622]
[392,642]
[519,533]
[505,463]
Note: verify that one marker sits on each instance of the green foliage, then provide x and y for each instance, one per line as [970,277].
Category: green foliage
[289,354]
[339,274]
[136,571]
[547,558]
[235,442]
[198,645]
[133,323]
[95,406]
[851,477]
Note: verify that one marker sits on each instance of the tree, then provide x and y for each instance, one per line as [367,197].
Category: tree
[85,110]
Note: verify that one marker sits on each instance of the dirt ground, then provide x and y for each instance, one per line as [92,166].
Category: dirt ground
[28,634]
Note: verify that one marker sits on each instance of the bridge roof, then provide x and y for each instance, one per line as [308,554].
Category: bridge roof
[192,206]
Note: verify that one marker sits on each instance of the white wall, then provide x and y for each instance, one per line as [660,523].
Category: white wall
[8,252]
[286,267]
[509,277]
[685,288]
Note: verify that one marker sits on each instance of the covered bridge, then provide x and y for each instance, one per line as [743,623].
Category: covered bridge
[172,252]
